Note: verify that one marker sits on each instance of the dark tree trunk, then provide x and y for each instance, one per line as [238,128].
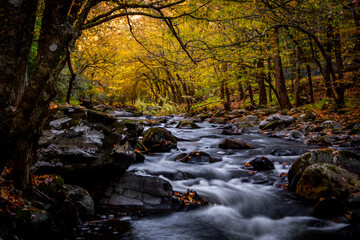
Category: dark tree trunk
[241,93]
[279,74]
[340,69]
[251,95]
[297,77]
[328,47]
[310,83]
[269,79]
[72,78]
[15,44]
[261,82]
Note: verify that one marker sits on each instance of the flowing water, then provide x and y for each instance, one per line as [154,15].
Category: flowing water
[246,206]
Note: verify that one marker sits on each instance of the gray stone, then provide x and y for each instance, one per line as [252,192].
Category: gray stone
[331,124]
[136,190]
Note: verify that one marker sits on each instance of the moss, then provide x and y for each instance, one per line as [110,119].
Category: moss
[271,125]
[327,150]
[349,154]
[333,168]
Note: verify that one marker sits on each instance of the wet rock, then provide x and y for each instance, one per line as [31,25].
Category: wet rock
[79,144]
[326,180]
[251,119]
[41,222]
[187,125]
[261,164]
[189,200]
[308,116]
[348,160]
[328,208]
[276,120]
[233,143]
[323,141]
[217,120]
[230,132]
[196,157]
[135,190]
[331,124]
[296,134]
[121,114]
[157,139]
[81,199]
[306,160]
[250,130]
[283,152]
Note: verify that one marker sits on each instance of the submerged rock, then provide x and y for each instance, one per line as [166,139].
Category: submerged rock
[261,164]
[283,152]
[157,139]
[233,143]
[328,208]
[196,157]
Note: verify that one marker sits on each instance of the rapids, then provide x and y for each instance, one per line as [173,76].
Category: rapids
[246,206]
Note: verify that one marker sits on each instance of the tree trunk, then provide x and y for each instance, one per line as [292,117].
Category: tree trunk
[251,95]
[269,79]
[297,77]
[328,47]
[261,83]
[279,74]
[15,45]
[310,83]
[241,93]
[72,78]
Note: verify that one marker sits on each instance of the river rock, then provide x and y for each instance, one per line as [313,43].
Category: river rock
[261,164]
[187,125]
[135,190]
[331,124]
[327,180]
[306,160]
[121,114]
[283,152]
[79,144]
[251,119]
[308,116]
[276,120]
[233,143]
[217,120]
[196,157]
[81,199]
[328,208]
[295,134]
[158,139]
[323,141]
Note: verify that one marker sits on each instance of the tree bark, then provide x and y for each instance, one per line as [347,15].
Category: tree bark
[261,82]
[297,77]
[311,93]
[72,77]
[279,74]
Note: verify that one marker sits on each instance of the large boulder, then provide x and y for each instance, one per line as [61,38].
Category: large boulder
[276,120]
[158,139]
[81,198]
[233,143]
[136,190]
[347,160]
[79,144]
[325,181]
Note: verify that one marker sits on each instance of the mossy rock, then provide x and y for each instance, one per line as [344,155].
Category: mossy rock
[187,125]
[158,139]
[50,184]
[327,180]
[272,125]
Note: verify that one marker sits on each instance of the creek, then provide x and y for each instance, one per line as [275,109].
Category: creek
[247,206]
